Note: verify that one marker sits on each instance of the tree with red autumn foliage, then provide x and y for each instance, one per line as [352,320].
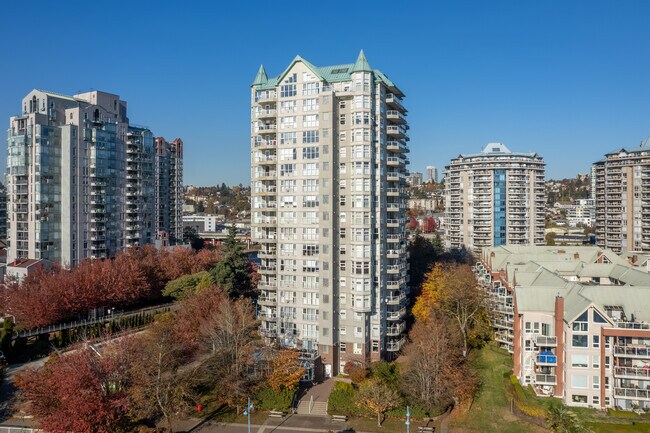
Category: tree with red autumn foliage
[412,224]
[79,391]
[428,225]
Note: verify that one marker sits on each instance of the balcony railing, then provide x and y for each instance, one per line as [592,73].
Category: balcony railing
[632,351]
[545,341]
[546,360]
[545,379]
[635,372]
[632,393]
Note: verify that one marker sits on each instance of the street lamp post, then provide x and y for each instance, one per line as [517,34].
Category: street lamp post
[408,419]
[248,413]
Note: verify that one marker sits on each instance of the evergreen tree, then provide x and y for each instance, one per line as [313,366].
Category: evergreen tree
[234,272]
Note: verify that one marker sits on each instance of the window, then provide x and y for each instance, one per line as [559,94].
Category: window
[579,398]
[594,399]
[288,106]
[310,104]
[342,104]
[580,341]
[310,137]
[288,138]
[343,314]
[598,318]
[288,122]
[287,90]
[287,169]
[596,341]
[310,169]
[310,120]
[310,152]
[287,154]
[309,250]
[310,185]
[342,119]
[595,382]
[342,345]
[595,361]
[580,361]
[581,324]
[310,201]
[342,265]
[375,346]
[579,381]
[358,348]
[310,88]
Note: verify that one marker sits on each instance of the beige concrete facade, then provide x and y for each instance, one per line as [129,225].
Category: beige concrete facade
[495,197]
[328,172]
[622,194]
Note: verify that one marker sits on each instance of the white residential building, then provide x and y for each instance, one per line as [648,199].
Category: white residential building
[495,197]
[328,173]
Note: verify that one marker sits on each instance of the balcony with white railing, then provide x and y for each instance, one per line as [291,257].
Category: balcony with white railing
[395,116]
[396,329]
[395,102]
[640,351]
[395,315]
[632,372]
[632,393]
[545,341]
[395,345]
[545,379]
[263,114]
[396,299]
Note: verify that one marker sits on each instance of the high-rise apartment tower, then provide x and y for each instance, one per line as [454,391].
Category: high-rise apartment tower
[80,180]
[622,186]
[495,197]
[328,172]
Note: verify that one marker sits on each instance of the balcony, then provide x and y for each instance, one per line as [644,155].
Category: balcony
[632,372]
[395,315]
[266,97]
[395,117]
[264,114]
[396,146]
[266,144]
[395,102]
[632,352]
[395,300]
[266,269]
[545,379]
[394,161]
[396,329]
[632,393]
[266,159]
[396,131]
[395,346]
[270,299]
[392,223]
[546,358]
[544,341]
[263,129]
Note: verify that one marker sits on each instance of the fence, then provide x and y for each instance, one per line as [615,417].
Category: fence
[10,429]
[104,319]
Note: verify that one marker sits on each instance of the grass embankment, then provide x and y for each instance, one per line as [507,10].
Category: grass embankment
[490,410]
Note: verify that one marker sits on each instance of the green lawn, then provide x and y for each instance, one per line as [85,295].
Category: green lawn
[490,411]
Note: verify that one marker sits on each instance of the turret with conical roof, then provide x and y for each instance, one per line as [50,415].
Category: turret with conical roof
[361,64]
[261,77]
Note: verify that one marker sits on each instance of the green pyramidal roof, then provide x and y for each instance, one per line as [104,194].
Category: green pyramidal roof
[261,77]
[328,74]
[362,64]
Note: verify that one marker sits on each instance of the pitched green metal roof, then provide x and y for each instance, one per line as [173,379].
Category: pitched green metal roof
[362,64]
[261,77]
[329,74]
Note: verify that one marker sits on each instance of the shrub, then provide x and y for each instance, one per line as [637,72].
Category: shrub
[416,412]
[342,399]
[519,391]
[358,374]
[269,399]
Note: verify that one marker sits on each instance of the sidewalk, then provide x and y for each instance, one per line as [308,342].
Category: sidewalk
[289,424]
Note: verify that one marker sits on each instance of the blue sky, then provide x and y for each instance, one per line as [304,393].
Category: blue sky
[567,79]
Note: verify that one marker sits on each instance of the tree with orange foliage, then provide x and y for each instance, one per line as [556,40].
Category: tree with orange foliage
[452,288]
[286,371]
[379,397]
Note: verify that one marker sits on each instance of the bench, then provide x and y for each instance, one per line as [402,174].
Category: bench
[424,429]
[277,414]
[339,418]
